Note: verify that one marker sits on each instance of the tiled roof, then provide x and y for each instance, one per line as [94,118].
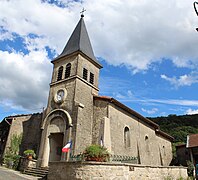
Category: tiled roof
[192,140]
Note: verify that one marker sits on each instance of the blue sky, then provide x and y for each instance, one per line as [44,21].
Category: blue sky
[148,50]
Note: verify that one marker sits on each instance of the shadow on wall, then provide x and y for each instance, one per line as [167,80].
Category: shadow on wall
[4,131]
[31,134]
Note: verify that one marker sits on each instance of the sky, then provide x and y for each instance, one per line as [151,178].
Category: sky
[148,49]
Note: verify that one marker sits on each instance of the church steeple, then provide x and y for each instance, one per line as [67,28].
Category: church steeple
[79,41]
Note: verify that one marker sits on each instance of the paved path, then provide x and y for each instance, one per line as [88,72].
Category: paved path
[8,174]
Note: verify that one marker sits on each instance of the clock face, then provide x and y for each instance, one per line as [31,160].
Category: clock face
[60,96]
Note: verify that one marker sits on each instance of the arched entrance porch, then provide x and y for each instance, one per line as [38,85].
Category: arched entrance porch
[56,132]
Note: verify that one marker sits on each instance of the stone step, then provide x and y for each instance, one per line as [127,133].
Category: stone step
[38,169]
[39,172]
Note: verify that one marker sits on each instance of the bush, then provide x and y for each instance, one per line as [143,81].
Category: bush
[190,168]
[11,158]
[96,153]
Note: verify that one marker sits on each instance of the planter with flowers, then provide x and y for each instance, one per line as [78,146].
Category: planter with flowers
[29,153]
[96,153]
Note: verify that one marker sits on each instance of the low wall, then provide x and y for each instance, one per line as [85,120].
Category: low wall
[25,163]
[110,171]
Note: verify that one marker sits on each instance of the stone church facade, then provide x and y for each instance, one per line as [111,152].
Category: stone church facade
[76,112]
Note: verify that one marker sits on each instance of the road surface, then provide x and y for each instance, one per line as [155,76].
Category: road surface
[8,174]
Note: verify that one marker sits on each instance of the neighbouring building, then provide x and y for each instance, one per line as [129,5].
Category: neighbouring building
[28,126]
[188,152]
[182,154]
[192,146]
[76,112]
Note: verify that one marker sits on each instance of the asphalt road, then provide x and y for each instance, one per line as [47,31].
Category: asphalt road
[8,174]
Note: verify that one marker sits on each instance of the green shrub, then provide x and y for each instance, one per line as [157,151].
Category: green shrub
[96,153]
[11,158]
[190,168]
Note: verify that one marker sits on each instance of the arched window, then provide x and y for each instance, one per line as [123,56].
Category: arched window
[126,137]
[147,144]
[68,70]
[60,73]
[164,150]
[85,73]
[91,78]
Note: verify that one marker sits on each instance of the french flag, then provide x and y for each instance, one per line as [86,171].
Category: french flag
[67,147]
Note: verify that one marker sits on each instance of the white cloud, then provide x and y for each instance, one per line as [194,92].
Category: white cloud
[134,33]
[154,102]
[184,80]
[138,33]
[151,111]
[24,79]
[51,22]
[191,111]
[173,102]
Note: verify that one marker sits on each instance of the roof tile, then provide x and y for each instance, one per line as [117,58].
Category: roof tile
[193,140]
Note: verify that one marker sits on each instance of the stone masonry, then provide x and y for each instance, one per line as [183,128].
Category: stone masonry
[113,171]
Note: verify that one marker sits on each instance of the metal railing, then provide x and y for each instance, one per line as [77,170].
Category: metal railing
[113,158]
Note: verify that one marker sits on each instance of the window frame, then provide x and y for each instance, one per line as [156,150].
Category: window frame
[127,139]
[85,74]
[91,78]
[67,70]
[60,73]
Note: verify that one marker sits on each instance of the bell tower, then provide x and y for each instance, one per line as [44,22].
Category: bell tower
[74,82]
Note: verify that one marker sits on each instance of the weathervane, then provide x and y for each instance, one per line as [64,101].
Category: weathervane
[194,4]
[83,10]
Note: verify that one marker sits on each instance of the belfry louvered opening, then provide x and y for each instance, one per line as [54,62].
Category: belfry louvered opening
[68,70]
[60,73]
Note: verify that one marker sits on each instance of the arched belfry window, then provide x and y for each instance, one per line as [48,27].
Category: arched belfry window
[126,137]
[68,70]
[60,73]
[91,78]
[85,73]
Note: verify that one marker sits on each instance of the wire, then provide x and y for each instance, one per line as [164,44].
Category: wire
[194,4]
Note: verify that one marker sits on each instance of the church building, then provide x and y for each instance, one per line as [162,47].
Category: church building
[77,113]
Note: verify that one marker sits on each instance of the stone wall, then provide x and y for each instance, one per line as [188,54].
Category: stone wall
[144,143]
[109,171]
[29,127]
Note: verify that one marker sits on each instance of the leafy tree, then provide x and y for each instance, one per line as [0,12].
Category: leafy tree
[178,126]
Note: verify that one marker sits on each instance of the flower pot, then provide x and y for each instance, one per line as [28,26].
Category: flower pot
[29,157]
[97,159]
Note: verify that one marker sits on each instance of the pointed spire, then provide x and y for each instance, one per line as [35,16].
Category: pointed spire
[79,41]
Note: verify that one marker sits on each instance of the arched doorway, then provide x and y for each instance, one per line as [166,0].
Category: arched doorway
[56,133]
[56,144]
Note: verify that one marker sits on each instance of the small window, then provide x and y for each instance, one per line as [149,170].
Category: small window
[147,144]
[164,150]
[68,70]
[60,73]
[91,78]
[146,138]
[126,137]
[85,73]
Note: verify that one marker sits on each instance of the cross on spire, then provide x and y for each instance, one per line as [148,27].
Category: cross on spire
[83,10]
